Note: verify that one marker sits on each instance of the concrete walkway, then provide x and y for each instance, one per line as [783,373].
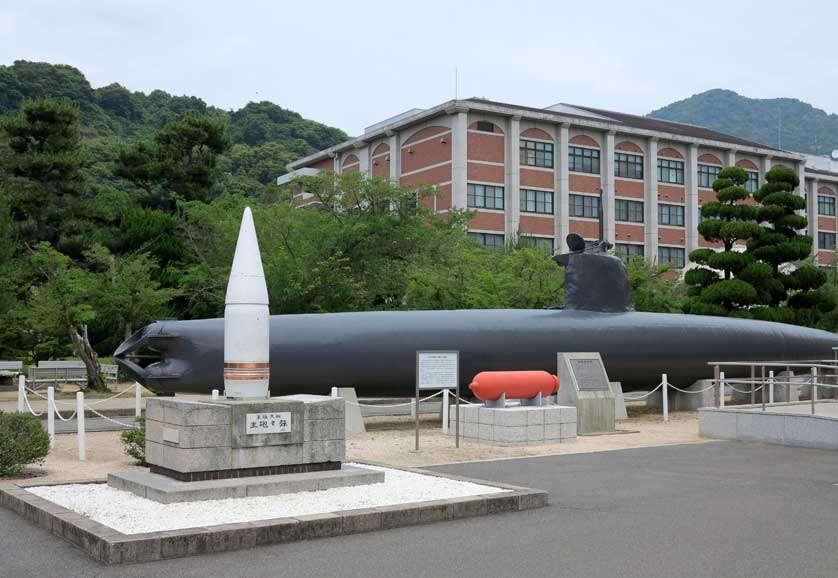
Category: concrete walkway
[708,510]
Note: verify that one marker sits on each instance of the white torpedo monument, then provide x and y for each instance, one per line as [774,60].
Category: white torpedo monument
[246,320]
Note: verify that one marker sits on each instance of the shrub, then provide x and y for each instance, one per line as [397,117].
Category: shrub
[134,441]
[22,441]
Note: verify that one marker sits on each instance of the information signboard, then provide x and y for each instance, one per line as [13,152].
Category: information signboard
[589,374]
[438,370]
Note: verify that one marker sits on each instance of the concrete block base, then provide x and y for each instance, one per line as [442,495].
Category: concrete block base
[619,400]
[166,490]
[516,425]
[788,424]
[354,419]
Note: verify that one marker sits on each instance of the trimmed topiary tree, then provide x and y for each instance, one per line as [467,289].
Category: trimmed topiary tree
[723,283]
[790,293]
[23,441]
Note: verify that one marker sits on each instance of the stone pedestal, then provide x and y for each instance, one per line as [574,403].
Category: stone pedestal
[584,384]
[516,425]
[236,448]
[166,490]
[194,441]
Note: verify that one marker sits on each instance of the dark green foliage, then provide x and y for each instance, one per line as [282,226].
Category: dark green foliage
[792,292]
[23,441]
[802,127]
[178,163]
[112,114]
[654,287]
[778,241]
[714,290]
[134,441]
[44,163]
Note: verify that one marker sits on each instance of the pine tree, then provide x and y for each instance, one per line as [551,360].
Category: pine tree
[723,284]
[791,293]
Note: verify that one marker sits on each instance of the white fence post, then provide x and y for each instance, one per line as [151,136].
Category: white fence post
[814,381]
[771,386]
[214,394]
[665,392]
[51,415]
[445,411]
[80,421]
[334,392]
[21,384]
[138,399]
[721,389]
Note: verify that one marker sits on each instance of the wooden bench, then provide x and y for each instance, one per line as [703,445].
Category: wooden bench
[9,370]
[68,371]
[11,367]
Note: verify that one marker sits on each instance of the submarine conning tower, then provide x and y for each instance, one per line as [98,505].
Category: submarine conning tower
[594,280]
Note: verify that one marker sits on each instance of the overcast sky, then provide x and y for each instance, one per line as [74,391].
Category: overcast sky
[353,63]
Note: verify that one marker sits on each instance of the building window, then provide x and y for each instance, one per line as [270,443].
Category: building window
[530,241]
[485,126]
[672,215]
[536,201]
[673,256]
[488,240]
[485,196]
[537,154]
[671,171]
[706,175]
[628,166]
[583,160]
[752,184]
[826,205]
[584,206]
[626,251]
[630,211]
[826,241]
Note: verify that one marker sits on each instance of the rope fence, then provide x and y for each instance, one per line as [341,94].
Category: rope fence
[81,406]
[383,405]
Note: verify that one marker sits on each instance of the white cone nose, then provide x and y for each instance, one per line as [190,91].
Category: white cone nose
[247,278]
[246,320]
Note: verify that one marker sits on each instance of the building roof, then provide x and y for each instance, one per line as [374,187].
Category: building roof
[593,117]
[684,129]
[820,172]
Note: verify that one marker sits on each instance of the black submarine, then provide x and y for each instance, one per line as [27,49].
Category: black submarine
[375,352]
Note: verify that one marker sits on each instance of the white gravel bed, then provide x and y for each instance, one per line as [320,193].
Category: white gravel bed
[131,514]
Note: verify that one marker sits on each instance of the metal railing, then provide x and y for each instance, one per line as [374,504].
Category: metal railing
[816,370]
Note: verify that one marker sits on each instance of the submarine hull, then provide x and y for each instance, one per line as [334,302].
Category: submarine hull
[375,351]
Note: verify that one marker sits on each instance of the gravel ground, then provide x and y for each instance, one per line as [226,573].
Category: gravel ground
[131,514]
[388,440]
[391,440]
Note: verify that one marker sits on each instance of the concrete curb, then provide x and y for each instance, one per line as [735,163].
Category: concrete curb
[111,547]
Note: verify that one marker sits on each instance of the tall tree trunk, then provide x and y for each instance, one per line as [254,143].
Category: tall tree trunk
[85,351]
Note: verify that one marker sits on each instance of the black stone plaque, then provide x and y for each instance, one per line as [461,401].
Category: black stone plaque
[589,374]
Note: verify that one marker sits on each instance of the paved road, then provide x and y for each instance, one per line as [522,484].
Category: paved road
[723,509]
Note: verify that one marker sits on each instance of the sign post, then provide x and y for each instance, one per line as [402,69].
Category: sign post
[438,370]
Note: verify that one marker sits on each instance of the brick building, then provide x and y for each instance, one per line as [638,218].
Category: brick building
[544,173]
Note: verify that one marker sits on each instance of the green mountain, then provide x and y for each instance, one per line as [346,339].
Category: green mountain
[265,136]
[785,123]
